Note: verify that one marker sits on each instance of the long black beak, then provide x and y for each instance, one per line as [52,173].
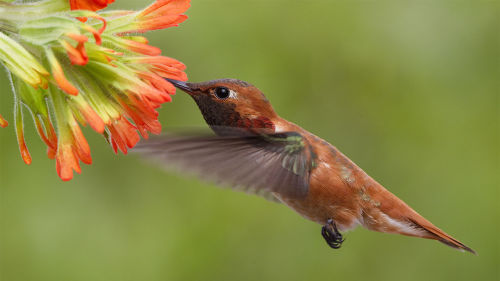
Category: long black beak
[181,85]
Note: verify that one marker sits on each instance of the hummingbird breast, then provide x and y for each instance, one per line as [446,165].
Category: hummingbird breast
[333,185]
[330,194]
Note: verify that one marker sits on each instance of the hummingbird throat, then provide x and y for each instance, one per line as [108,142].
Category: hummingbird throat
[226,115]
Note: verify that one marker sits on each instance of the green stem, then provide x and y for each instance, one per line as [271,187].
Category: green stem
[8,27]
[20,12]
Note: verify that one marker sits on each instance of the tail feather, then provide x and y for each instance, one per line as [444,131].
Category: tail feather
[395,216]
[439,235]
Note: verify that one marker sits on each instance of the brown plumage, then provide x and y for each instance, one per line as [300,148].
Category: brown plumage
[258,151]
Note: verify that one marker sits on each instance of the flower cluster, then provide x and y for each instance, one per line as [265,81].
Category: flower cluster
[72,66]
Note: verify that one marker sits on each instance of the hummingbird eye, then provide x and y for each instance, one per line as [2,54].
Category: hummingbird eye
[222,92]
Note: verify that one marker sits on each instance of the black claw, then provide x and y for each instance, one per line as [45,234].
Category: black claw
[332,235]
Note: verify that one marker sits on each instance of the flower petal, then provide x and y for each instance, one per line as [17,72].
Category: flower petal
[95,33]
[94,120]
[66,161]
[81,147]
[161,14]
[165,7]
[76,55]
[21,62]
[78,37]
[3,122]
[123,135]
[91,5]
[25,154]
[137,47]
[58,74]
[43,135]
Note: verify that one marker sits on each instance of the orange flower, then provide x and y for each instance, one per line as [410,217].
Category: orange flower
[162,14]
[25,154]
[91,5]
[123,135]
[59,77]
[159,15]
[72,148]
[115,89]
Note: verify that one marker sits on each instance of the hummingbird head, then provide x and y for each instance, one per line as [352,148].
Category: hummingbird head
[230,103]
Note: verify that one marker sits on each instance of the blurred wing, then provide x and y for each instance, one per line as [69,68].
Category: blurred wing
[260,164]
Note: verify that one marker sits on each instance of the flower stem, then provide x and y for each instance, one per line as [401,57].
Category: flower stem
[20,12]
[7,27]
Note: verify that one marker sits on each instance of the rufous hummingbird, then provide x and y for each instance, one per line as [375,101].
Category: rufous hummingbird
[256,150]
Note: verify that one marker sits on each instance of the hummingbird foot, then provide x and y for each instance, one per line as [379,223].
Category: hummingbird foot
[331,234]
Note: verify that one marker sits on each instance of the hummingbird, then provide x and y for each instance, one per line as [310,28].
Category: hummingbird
[257,151]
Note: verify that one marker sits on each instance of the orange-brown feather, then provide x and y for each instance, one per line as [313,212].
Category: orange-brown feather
[340,190]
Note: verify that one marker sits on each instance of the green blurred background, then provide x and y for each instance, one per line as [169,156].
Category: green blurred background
[407,89]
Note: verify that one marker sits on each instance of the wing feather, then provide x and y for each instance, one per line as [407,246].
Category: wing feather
[260,164]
